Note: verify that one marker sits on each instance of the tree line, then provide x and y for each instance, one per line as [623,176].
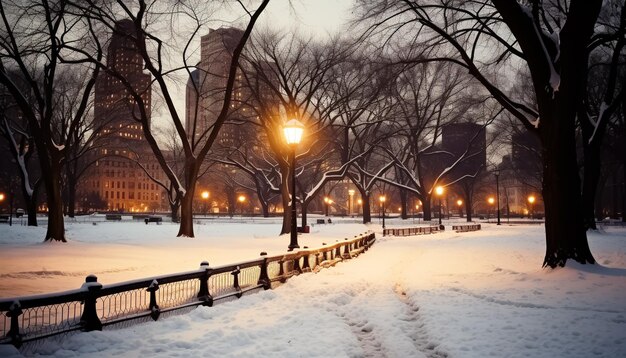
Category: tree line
[374,101]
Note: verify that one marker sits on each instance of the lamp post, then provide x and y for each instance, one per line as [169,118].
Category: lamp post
[360,202]
[205,197]
[242,200]
[491,201]
[351,196]
[327,202]
[460,204]
[382,202]
[531,201]
[293,134]
[439,192]
[497,174]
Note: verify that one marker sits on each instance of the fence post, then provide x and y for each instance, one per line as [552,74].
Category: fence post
[346,250]
[14,332]
[296,265]
[264,278]
[155,311]
[235,274]
[204,295]
[325,253]
[337,250]
[281,271]
[89,319]
[306,266]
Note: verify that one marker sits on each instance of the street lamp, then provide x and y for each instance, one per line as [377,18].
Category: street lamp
[293,130]
[382,199]
[360,202]
[460,204]
[531,201]
[497,174]
[351,195]
[439,192]
[205,196]
[241,199]
[491,201]
[327,202]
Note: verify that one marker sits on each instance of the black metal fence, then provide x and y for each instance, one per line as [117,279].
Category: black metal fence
[94,306]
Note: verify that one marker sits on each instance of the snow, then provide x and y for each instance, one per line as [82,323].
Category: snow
[474,294]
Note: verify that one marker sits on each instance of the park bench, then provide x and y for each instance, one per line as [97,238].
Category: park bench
[4,218]
[466,228]
[154,219]
[115,217]
[422,230]
[321,221]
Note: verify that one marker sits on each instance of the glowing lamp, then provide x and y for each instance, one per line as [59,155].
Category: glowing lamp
[293,130]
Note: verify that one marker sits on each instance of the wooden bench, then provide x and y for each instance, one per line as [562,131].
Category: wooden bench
[116,217]
[321,221]
[466,228]
[154,219]
[4,218]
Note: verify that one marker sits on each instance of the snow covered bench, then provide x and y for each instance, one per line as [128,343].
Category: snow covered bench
[115,217]
[466,228]
[423,230]
[154,219]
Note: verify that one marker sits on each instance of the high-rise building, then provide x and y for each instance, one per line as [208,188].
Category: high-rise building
[207,85]
[124,163]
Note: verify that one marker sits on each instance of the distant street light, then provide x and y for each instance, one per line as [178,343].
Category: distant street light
[360,202]
[205,197]
[327,202]
[242,200]
[382,202]
[491,201]
[497,174]
[531,201]
[293,130]
[459,203]
[439,191]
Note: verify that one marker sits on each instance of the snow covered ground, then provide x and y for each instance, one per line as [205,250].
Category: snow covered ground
[477,294]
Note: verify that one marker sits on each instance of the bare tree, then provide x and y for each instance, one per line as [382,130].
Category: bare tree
[35,38]
[20,144]
[156,47]
[552,39]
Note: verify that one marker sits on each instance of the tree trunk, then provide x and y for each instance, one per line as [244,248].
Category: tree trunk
[367,214]
[31,208]
[403,204]
[186,215]
[52,182]
[427,208]
[566,236]
[468,208]
[174,207]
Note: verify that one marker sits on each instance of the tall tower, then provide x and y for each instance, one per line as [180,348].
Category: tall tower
[124,162]
[207,85]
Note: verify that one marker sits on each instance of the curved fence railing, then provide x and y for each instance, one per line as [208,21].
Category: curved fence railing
[94,306]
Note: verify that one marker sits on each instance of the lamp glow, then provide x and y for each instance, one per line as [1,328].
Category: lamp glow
[293,130]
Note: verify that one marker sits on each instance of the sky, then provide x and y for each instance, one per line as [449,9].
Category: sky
[476,294]
[317,18]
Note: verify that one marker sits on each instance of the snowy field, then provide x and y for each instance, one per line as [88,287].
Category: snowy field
[478,294]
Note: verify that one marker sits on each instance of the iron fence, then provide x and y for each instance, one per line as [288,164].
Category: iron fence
[94,306]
